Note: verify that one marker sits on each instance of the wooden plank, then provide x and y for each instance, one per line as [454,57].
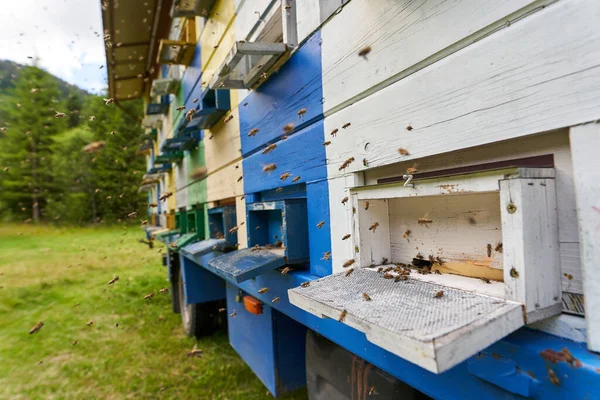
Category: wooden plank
[341,250]
[224,184]
[485,93]
[308,164]
[530,245]
[401,35]
[170,184]
[406,319]
[461,229]
[372,243]
[216,33]
[222,143]
[250,17]
[277,102]
[585,142]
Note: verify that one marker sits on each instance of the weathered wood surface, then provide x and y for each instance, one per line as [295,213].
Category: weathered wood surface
[585,143]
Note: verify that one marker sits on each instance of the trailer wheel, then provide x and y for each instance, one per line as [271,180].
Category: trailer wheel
[176,290]
[200,319]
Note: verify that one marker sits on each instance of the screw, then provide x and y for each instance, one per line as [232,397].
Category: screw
[511,208]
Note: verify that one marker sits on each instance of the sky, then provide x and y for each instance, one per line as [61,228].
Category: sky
[65,35]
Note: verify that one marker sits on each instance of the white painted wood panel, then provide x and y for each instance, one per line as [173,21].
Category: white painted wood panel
[224,184]
[341,250]
[516,82]
[181,181]
[373,243]
[222,144]
[308,17]
[585,143]
[462,227]
[250,16]
[401,33]
[530,245]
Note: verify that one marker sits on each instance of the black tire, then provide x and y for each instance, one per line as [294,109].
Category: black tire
[176,290]
[201,319]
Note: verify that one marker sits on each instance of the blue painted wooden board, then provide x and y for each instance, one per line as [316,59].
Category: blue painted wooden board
[192,75]
[241,265]
[199,285]
[276,102]
[200,248]
[319,240]
[302,154]
[252,337]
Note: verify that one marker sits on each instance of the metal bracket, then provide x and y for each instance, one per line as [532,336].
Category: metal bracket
[408,179]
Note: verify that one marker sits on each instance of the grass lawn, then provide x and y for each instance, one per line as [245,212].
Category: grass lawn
[135,348]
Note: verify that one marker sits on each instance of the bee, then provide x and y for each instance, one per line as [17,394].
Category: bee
[269,167]
[305,284]
[364,51]
[326,256]
[345,200]
[149,296]
[374,226]
[409,128]
[553,378]
[334,132]
[195,352]
[263,290]
[485,280]
[401,277]
[190,114]
[165,196]
[74,342]
[278,244]
[346,163]
[284,176]
[94,146]
[163,290]
[346,236]
[342,316]
[365,163]
[320,224]
[489,250]
[288,128]
[59,114]
[406,234]
[346,125]
[233,314]
[514,273]
[403,152]
[366,297]
[240,178]
[199,173]
[384,260]
[353,210]
[195,101]
[349,272]
[113,280]
[132,214]
[387,275]
[222,309]
[499,247]
[326,143]
[109,101]
[275,300]
[180,108]
[348,263]
[90,323]
[284,137]
[92,118]
[301,112]
[257,227]
[108,197]
[285,270]
[253,132]
[439,260]
[424,220]
[228,119]
[438,294]
[296,179]
[437,272]
[372,391]
[366,205]
[36,328]
[34,90]
[269,148]
[412,170]
[234,229]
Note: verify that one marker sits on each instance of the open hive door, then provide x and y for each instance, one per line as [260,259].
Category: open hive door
[482,264]
[278,236]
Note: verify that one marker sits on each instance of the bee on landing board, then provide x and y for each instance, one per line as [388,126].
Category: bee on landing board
[366,297]
[438,294]
[305,284]
[342,316]
[351,270]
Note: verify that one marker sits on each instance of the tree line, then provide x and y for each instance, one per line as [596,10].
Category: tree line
[45,174]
